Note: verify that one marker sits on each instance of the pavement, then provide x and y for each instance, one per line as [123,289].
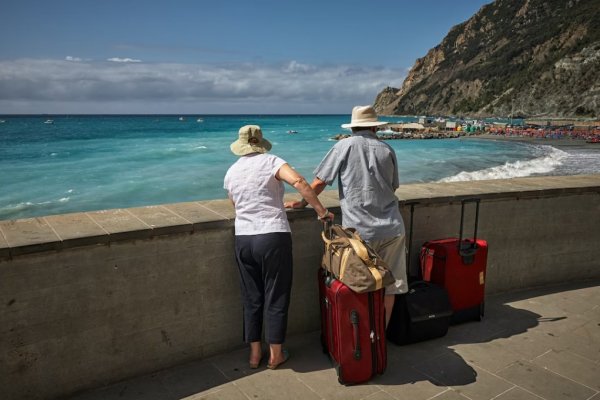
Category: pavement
[537,344]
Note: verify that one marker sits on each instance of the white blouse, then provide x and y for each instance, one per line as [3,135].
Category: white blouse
[257,194]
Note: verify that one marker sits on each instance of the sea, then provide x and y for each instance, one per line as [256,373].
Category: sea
[63,164]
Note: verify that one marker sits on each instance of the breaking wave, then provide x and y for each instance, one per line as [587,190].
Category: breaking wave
[548,162]
[13,210]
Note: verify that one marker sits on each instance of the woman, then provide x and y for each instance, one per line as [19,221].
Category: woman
[263,242]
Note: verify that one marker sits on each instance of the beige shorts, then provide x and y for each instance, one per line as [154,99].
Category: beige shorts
[393,252]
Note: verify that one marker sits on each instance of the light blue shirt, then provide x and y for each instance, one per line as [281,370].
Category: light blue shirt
[367,173]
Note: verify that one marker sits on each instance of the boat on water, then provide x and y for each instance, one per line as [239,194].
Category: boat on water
[593,140]
[181,119]
[199,120]
[2,121]
[49,121]
[291,131]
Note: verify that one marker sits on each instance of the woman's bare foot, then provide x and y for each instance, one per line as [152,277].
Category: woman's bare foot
[255,355]
[278,356]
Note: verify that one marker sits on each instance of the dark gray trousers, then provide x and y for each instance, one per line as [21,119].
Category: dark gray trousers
[265,264]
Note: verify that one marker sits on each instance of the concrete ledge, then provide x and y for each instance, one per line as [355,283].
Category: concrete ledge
[56,232]
[60,232]
[518,188]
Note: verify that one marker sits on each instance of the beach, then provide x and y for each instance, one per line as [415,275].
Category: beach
[558,143]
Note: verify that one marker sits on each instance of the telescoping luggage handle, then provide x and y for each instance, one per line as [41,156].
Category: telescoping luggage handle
[423,273]
[410,237]
[328,230]
[423,277]
[467,250]
[328,233]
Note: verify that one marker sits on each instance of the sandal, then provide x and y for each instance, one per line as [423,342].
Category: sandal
[286,356]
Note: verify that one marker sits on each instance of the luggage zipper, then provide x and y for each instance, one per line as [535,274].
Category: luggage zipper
[372,335]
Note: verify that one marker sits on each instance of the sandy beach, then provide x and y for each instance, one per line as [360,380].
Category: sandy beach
[569,143]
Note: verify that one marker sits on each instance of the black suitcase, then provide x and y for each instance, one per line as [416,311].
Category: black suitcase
[421,314]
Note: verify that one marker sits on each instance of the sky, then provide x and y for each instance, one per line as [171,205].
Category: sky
[213,57]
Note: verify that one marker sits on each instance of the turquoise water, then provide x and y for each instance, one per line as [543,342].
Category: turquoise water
[83,163]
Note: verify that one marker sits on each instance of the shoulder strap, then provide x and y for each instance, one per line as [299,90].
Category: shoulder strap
[361,250]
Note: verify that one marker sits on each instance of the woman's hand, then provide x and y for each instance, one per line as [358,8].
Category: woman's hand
[295,204]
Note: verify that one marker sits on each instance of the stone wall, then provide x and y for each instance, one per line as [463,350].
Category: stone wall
[87,299]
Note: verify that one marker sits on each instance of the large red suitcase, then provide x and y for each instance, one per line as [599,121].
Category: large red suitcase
[459,265]
[352,330]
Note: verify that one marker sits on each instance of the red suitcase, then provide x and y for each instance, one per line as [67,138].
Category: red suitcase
[459,265]
[352,330]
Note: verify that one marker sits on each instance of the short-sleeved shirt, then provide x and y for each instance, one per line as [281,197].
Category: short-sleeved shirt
[367,173]
[257,194]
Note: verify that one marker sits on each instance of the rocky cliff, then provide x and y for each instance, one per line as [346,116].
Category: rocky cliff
[530,57]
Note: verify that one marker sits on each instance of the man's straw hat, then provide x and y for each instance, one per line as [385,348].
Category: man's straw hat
[363,116]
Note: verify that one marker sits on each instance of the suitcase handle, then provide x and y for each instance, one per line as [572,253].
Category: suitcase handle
[354,322]
[327,232]
[467,250]
[410,236]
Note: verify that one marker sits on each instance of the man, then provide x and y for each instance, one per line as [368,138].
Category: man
[367,173]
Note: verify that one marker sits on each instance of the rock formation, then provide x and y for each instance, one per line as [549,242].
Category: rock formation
[527,58]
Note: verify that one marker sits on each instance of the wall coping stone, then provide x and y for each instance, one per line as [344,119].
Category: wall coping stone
[58,232]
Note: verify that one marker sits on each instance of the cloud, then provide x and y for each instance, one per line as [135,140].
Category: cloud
[70,58]
[40,86]
[294,67]
[124,60]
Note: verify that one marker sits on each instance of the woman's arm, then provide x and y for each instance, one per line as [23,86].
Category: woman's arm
[317,185]
[289,175]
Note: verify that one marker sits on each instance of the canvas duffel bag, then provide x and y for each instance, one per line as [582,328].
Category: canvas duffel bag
[351,260]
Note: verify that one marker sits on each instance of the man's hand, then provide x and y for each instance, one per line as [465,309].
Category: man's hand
[328,217]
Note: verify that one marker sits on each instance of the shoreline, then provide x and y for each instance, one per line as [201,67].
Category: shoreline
[565,143]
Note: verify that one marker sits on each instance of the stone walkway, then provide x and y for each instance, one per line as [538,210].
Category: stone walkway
[536,344]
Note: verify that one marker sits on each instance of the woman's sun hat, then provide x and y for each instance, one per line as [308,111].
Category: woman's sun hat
[363,116]
[250,141]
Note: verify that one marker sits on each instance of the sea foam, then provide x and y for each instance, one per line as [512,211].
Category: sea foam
[548,162]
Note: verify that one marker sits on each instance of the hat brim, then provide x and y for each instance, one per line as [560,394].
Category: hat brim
[364,124]
[242,149]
